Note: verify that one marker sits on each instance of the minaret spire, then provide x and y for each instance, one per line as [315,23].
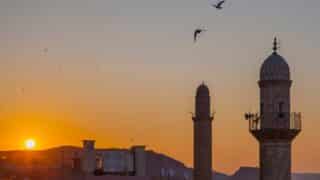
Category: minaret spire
[275,45]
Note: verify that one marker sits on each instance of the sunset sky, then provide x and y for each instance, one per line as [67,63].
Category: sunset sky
[125,72]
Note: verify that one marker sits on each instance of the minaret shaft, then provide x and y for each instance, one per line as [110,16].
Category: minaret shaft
[275,160]
[202,150]
[202,135]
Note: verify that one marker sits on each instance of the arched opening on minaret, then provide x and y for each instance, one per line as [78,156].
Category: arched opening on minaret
[281,113]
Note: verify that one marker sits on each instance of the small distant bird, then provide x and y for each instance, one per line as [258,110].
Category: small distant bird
[196,33]
[219,4]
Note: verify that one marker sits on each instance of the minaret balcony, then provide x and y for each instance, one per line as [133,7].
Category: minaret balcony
[273,125]
[274,121]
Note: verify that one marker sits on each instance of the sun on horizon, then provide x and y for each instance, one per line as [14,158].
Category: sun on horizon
[30,144]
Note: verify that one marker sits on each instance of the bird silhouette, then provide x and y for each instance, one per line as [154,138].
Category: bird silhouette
[219,4]
[196,33]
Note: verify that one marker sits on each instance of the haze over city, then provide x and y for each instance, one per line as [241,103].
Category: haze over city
[125,72]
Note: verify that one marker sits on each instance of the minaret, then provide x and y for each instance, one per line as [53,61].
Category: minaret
[276,126]
[202,136]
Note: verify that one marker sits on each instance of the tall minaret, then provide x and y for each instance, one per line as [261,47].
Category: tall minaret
[202,137]
[275,127]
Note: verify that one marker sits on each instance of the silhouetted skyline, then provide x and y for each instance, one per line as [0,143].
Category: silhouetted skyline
[116,70]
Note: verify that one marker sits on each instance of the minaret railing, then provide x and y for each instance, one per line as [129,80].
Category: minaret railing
[295,121]
[255,121]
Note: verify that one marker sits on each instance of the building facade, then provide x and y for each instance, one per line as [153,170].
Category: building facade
[136,161]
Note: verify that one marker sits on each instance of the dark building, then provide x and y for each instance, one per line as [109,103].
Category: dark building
[202,135]
[276,126]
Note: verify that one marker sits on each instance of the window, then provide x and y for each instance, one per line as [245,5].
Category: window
[281,114]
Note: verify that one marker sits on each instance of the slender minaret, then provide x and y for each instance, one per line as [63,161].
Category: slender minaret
[202,136]
[275,127]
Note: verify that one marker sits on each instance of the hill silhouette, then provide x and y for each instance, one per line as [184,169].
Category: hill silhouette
[53,156]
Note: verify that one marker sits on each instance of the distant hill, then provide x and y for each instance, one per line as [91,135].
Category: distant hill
[305,176]
[251,173]
[220,176]
[52,157]
[246,173]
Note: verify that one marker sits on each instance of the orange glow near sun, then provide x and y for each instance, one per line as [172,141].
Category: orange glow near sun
[30,144]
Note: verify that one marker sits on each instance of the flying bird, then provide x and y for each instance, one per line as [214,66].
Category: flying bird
[196,33]
[219,4]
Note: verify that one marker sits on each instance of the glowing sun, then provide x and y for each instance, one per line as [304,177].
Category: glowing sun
[30,143]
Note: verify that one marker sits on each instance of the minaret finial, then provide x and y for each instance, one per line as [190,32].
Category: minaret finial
[275,45]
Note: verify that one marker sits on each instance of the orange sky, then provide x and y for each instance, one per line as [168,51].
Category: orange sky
[115,112]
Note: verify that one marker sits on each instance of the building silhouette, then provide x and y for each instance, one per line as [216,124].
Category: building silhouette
[202,135]
[275,127]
